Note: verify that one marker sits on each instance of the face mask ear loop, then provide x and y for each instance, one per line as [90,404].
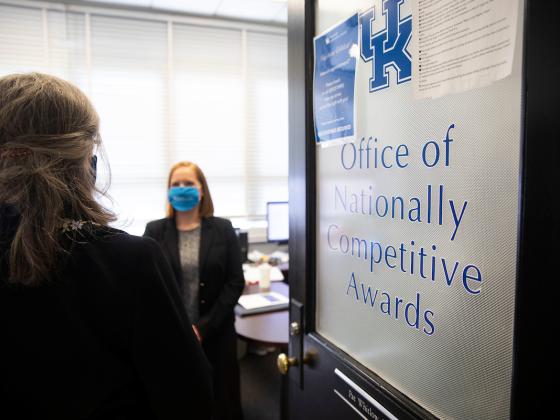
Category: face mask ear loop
[94,167]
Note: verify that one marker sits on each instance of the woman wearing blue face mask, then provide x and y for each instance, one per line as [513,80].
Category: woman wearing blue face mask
[205,255]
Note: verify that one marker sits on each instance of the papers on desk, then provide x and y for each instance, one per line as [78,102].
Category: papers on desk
[256,256]
[252,274]
[281,256]
[261,302]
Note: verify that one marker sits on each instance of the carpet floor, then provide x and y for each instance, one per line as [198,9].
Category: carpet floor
[260,386]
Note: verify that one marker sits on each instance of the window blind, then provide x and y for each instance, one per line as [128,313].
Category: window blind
[166,91]
[128,82]
[208,110]
[267,120]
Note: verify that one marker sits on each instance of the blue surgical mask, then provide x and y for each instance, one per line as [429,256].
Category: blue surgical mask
[183,198]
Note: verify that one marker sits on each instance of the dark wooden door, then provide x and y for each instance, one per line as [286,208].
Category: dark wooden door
[326,369]
[327,383]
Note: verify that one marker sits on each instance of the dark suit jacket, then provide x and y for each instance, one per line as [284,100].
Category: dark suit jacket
[106,338]
[220,272]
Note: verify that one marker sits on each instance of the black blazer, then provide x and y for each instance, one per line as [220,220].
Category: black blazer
[220,271]
[106,338]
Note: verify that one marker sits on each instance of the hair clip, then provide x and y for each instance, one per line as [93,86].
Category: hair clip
[14,152]
[71,225]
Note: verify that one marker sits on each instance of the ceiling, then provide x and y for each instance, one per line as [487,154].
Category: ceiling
[265,11]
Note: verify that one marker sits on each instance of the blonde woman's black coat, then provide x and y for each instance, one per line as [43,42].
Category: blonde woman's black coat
[221,282]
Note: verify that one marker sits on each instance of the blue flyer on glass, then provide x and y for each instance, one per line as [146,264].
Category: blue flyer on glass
[334,77]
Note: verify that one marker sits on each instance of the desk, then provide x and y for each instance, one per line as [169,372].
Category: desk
[269,329]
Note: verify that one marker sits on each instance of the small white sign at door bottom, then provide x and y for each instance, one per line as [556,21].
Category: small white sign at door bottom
[359,400]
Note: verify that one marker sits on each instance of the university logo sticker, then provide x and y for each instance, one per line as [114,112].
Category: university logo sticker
[388,47]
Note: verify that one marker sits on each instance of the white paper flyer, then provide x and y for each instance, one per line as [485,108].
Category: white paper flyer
[461,45]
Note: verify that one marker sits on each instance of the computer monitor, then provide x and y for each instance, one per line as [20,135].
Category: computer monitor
[278,221]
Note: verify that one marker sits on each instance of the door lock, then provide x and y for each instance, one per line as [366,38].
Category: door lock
[294,329]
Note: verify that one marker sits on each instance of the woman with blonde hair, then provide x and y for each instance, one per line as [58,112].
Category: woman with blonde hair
[91,322]
[206,258]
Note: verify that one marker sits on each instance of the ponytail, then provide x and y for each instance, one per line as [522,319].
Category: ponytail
[48,130]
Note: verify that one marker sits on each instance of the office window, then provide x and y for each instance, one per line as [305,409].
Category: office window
[167,90]
[208,110]
[128,87]
[23,46]
[267,115]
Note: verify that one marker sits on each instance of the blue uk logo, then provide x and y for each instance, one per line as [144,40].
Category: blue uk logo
[387,48]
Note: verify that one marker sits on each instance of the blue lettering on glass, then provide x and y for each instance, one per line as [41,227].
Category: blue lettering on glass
[388,47]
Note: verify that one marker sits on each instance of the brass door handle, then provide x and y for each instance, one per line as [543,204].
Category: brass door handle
[284,362]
